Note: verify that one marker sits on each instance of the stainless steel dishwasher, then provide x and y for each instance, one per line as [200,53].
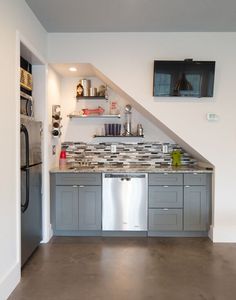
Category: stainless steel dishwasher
[124,202]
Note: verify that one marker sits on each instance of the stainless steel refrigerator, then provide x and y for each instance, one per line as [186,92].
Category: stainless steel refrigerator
[31,179]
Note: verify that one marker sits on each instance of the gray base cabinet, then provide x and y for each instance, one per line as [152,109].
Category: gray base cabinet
[66,208]
[165,219]
[195,208]
[76,203]
[90,208]
[179,204]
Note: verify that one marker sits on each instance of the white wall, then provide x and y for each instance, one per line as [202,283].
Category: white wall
[84,129]
[15,15]
[127,59]
[54,98]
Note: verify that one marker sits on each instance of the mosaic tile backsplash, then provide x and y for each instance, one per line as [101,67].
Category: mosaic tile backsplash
[127,154]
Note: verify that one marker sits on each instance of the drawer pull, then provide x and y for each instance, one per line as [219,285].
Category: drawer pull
[75,186]
[166,173]
[187,186]
[165,186]
[81,186]
[165,208]
[195,173]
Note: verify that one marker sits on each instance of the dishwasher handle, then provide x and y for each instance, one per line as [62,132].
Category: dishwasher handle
[125,176]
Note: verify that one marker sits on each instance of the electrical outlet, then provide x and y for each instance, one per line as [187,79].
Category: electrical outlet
[53,149]
[165,148]
[113,148]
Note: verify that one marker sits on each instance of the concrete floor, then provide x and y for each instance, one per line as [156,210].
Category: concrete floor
[72,268]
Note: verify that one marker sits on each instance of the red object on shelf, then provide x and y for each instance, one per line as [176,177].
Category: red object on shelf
[97,111]
[63,154]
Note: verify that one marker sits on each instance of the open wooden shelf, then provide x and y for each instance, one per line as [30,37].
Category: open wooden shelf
[118,136]
[91,97]
[94,116]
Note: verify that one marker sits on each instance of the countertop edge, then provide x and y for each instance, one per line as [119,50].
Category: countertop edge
[132,170]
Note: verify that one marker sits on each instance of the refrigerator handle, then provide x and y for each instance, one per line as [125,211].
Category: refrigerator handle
[24,130]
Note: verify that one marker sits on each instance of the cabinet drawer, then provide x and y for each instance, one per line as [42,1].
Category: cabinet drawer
[195,179]
[165,219]
[166,179]
[165,196]
[78,179]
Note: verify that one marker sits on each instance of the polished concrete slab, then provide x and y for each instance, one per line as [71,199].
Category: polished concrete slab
[82,268]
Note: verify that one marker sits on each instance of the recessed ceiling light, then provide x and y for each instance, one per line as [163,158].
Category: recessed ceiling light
[72,69]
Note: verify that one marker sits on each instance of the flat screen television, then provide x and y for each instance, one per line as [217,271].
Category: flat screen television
[185,78]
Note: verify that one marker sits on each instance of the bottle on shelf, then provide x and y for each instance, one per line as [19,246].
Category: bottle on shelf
[113,108]
[139,130]
[79,90]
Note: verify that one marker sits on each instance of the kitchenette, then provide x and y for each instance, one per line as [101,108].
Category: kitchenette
[114,177]
[135,191]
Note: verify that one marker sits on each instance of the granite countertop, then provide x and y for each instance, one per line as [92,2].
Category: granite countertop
[136,169]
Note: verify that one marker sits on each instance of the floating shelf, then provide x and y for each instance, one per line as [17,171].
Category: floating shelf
[118,136]
[94,116]
[91,97]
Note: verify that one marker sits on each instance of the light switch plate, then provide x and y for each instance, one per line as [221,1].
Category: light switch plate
[212,117]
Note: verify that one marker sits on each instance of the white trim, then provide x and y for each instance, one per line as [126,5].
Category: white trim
[31,48]
[224,234]
[9,282]
[47,230]
[17,135]
[20,39]
[210,233]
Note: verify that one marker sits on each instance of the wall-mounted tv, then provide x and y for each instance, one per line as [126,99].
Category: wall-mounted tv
[185,78]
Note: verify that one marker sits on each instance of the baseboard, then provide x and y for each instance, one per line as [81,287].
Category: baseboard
[224,234]
[48,235]
[81,233]
[124,233]
[9,282]
[177,233]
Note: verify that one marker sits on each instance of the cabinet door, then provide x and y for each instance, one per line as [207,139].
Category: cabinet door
[66,208]
[195,208]
[165,219]
[90,207]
